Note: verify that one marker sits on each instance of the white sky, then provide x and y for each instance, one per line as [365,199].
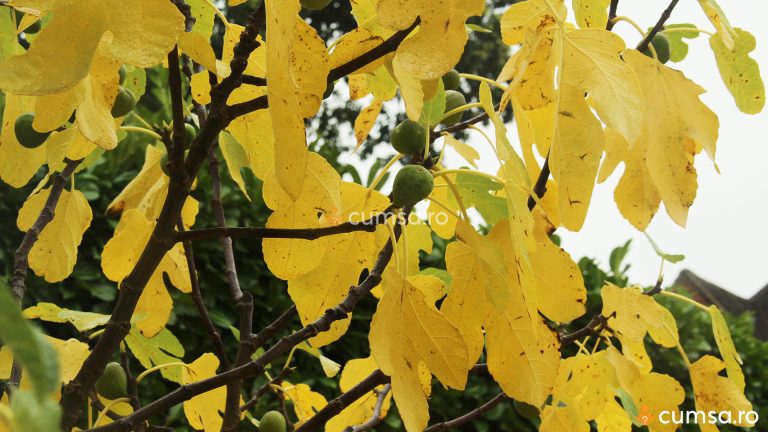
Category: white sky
[726,232]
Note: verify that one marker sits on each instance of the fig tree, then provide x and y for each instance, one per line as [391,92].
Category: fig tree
[408,137]
[124,102]
[661,45]
[26,134]
[453,100]
[412,184]
[451,80]
[272,421]
[112,384]
[314,4]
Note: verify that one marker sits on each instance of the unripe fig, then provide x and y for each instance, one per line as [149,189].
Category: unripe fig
[189,134]
[408,137]
[164,165]
[526,410]
[112,384]
[122,72]
[314,4]
[451,80]
[26,134]
[453,100]
[124,102]
[412,184]
[661,45]
[272,421]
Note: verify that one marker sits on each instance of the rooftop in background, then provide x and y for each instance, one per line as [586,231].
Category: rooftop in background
[708,293]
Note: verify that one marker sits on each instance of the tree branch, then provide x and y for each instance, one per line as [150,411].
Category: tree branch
[376,418]
[386,47]
[340,311]
[375,379]
[254,80]
[296,233]
[468,417]
[265,388]
[176,150]
[21,258]
[643,45]
[612,12]
[163,235]
[540,188]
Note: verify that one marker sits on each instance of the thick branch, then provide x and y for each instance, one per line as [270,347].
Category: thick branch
[296,233]
[376,418]
[375,379]
[339,312]
[163,235]
[176,151]
[470,416]
[643,45]
[540,188]
[254,80]
[612,12]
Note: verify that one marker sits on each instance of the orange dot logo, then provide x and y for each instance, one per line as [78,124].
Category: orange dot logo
[644,416]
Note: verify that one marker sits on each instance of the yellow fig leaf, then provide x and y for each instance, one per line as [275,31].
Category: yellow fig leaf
[142,33]
[613,419]
[204,411]
[528,15]
[83,321]
[17,163]
[727,349]
[676,125]
[71,355]
[291,258]
[562,419]
[585,382]
[717,393]
[361,410]
[632,314]
[410,89]
[52,111]
[197,47]
[353,44]
[284,103]
[365,120]
[160,349]
[575,156]
[305,401]
[651,392]
[309,67]
[254,133]
[466,151]
[741,73]
[522,352]
[437,45]
[94,116]
[54,254]
[717,17]
[591,13]
[346,257]
[235,158]
[442,220]
[406,330]
[561,295]
[67,144]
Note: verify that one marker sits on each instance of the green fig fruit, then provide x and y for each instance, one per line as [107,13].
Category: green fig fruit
[112,384]
[189,134]
[272,421]
[408,137]
[164,165]
[26,134]
[451,80]
[314,4]
[124,102]
[526,410]
[412,184]
[661,45]
[122,73]
[453,100]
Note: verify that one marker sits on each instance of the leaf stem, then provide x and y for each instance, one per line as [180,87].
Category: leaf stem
[479,78]
[139,129]
[383,171]
[108,406]
[157,368]
[685,299]
[460,109]
[469,171]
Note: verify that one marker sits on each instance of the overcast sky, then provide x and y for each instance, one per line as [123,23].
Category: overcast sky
[726,235]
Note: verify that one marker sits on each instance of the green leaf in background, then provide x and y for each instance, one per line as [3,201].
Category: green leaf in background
[434,108]
[740,72]
[671,258]
[477,191]
[28,345]
[617,257]
[161,349]
[441,274]
[678,48]
[478,28]
[236,159]
[83,321]
[33,414]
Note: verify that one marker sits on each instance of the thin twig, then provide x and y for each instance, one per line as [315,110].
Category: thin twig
[254,80]
[21,258]
[202,310]
[540,188]
[470,416]
[296,233]
[176,152]
[376,418]
[265,388]
[643,45]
